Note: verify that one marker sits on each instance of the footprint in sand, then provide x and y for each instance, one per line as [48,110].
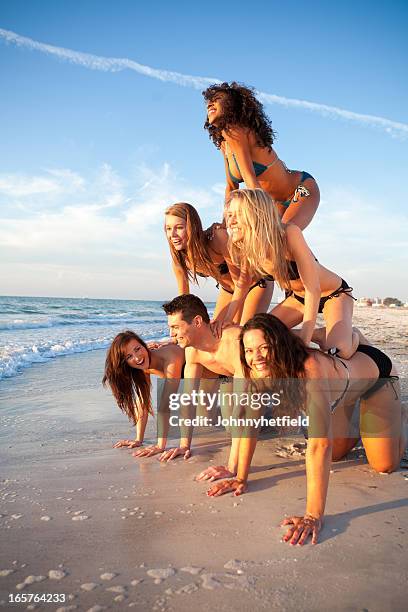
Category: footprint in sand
[29,580]
[89,586]
[187,589]
[56,574]
[191,569]
[161,574]
[107,576]
[121,590]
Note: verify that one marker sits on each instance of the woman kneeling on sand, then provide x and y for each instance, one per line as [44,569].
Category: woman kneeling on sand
[332,386]
[129,364]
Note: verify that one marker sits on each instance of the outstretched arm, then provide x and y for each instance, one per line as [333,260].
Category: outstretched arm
[231,185]
[172,373]
[182,280]
[238,144]
[138,441]
[242,284]
[244,440]
[240,277]
[309,275]
[318,461]
[141,427]
[192,373]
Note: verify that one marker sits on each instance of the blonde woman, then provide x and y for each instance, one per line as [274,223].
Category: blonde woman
[266,245]
[196,253]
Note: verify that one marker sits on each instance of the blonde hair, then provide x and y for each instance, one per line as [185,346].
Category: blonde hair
[264,236]
[196,253]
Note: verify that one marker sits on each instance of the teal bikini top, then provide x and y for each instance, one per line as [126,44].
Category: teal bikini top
[258,167]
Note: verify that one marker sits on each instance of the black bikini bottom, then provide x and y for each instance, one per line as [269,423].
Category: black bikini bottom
[384,365]
[344,288]
[261,283]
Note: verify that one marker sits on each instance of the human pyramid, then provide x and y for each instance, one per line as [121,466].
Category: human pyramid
[259,243]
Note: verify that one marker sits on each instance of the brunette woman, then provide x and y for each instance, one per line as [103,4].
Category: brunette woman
[128,367]
[237,124]
[331,389]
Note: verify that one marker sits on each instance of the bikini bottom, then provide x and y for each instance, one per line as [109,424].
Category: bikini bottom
[300,191]
[384,365]
[344,288]
[261,283]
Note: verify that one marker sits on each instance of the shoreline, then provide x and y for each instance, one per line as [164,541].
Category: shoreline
[122,532]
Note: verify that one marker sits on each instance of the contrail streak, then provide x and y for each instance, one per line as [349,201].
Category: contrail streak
[114,64]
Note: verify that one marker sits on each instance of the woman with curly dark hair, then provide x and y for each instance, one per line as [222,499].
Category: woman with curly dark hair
[237,124]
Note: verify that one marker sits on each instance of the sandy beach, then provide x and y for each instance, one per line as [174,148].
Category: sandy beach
[113,532]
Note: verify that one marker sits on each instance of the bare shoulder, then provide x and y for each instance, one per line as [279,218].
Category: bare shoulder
[231,333]
[172,352]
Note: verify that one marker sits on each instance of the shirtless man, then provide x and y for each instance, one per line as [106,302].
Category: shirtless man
[189,325]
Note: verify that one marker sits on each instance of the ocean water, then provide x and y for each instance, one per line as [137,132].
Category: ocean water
[35,330]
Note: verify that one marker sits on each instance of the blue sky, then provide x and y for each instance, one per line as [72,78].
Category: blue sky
[90,158]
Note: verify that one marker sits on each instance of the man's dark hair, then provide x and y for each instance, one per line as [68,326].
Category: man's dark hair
[189,305]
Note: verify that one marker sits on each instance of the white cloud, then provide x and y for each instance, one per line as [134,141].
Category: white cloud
[100,240]
[107,237]
[21,186]
[41,189]
[114,64]
[363,240]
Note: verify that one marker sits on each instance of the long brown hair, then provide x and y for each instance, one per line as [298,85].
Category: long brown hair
[287,352]
[131,387]
[286,358]
[196,254]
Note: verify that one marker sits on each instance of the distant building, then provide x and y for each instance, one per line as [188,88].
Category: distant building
[364,301]
[377,302]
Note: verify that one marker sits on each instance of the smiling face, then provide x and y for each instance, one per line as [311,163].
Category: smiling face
[234,220]
[135,355]
[256,351]
[215,108]
[184,333]
[176,232]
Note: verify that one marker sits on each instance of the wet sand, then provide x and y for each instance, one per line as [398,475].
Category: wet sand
[111,531]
